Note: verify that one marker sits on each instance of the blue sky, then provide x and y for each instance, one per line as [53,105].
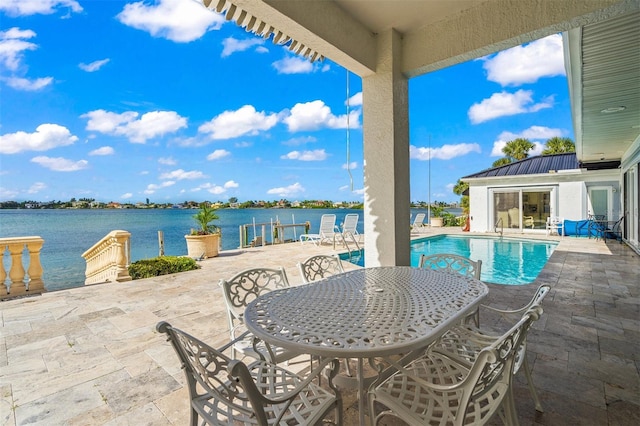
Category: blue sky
[128,100]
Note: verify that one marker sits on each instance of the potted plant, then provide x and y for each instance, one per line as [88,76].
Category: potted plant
[436,215]
[204,241]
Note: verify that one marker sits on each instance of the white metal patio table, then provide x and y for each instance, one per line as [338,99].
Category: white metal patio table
[366,313]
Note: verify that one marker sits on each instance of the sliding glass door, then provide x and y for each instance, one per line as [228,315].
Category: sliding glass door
[518,209]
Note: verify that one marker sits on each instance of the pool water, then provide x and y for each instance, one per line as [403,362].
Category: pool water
[504,260]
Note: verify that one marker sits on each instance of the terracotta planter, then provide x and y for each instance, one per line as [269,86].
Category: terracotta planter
[436,222]
[202,246]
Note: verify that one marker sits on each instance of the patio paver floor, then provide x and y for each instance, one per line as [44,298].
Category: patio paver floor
[90,355]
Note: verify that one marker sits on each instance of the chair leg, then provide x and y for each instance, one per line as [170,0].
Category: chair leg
[509,406]
[532,389]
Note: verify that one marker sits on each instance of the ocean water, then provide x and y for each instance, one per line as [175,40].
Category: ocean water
[69,233]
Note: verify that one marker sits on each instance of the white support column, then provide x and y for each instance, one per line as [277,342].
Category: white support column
[386,157]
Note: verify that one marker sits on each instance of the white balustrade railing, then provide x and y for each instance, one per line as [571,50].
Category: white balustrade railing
[108,260]
[21,282]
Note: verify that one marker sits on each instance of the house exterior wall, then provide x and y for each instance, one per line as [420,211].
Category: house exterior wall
[569,194]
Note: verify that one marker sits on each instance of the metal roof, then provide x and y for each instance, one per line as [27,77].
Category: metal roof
[532,166]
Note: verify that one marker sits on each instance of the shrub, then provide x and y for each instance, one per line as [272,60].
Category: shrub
[147,268]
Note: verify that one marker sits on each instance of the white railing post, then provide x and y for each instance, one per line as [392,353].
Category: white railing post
[109,259]
[21,282]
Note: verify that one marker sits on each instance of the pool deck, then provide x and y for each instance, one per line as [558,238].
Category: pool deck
[90,355]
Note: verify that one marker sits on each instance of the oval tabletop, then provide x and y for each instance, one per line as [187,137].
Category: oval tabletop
[364,313]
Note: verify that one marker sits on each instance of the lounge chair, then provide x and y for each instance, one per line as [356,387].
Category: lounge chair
[418,222]
[349,228]
[327,231]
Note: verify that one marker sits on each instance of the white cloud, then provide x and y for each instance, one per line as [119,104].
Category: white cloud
[445,152]
[315,115]
[243,144]
[245,121]
[104,150]
[152,187]
[505,104]
[126,196]
[7,194]
[528,63]
[536,134]
[218,189]
[218,154]
[37,187]
[356,100]
[33,7]
[25,84]
[293,65]
[150,125]
[176,20]
[46,136]
[315,155]
[351,166]
[302,140]
[93,66]
[167,161]
[232,45]
[59,164]
[13,45]
[287,191]
[182,174]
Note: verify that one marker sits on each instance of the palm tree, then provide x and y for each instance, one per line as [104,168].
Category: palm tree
[501,162]
[558,145]
[518,149]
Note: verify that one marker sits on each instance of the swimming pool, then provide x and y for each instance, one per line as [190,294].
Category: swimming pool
[504,260]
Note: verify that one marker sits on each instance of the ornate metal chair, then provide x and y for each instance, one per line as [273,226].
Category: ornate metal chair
[320,266]
[239,291]
[466,341]
[440,389]
[224,391]
[455,264]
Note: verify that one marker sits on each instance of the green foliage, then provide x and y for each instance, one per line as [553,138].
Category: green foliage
[558,145]
[162,265]
[518,149]
[501,162]
[204,217]
[449,219]
[460,187]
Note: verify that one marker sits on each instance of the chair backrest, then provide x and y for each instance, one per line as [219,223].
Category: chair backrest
[452,263]
[207,368]
[246,286]
[350,223]
[489,378]
[419,219]
[514,217]
[318,267]
[328,224]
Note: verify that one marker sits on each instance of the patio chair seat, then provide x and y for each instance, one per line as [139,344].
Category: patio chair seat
[239,291]
[224,391]
[438,389]
[464,342]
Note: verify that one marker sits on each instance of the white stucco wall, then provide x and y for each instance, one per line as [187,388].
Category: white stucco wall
[572,200]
